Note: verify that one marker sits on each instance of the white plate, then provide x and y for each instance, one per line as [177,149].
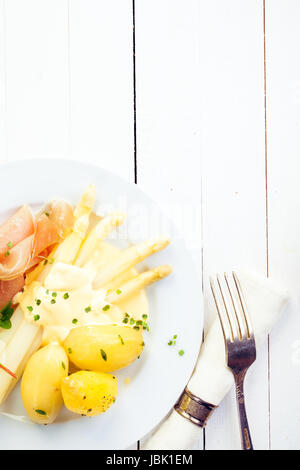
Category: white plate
[160,375]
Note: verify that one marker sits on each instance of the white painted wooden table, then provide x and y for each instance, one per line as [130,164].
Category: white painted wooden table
[211,95]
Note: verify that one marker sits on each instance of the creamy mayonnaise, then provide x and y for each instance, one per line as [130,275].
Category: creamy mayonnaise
[66,298]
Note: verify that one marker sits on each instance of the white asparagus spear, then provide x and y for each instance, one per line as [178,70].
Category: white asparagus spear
[86,203]
[137,283]
[7,335]
[68,249]
[25,340]
[97,235]
[129,258]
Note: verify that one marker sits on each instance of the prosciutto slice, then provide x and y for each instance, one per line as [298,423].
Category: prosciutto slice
[8,289]
[16,229]
[25,239]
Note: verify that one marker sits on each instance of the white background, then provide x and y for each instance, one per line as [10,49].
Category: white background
[216,93]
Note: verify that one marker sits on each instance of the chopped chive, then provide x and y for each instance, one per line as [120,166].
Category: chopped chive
[36,317]
[53,301]
[103,354]
[10,245]
[51,260]
[63,365]
[125,320]
[54,294]
[29,308]
[66,295]
[121,339]
[136,327]
[118,291]
[181,352]
[170,343]
[41,412]
[88,309]
[106,307]
[7,253]
[38,301]
[126,314]
[74,321]
[47,214]
[175,336]
[70,350]
[144,316]
[139,322]
[47,291]
[131,321]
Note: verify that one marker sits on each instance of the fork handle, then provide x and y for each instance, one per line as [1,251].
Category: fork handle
[245,431]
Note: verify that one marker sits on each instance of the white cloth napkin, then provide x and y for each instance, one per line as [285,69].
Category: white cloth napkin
[212,379]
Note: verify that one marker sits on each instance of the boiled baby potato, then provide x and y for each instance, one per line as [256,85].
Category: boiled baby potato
[103,348]
[89,393]
[40,386]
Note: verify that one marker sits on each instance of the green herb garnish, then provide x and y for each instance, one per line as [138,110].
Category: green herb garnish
[70,350]
[5,316]
[107,307]
[38,301]
[7,253]
[121,339]
[54,294]
[103,354]
[36,317]
[74,321]
[53,301]
[41,412]
[10,245]
[88,309]
[66,295]
[118,291]
[181,352]
[63,365]
[29,308]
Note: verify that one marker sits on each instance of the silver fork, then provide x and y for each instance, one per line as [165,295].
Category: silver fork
[239,340]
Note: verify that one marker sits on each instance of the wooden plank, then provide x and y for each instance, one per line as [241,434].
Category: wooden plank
[283,121]
[233,175]
[101,84]
[36,78]
[167,114]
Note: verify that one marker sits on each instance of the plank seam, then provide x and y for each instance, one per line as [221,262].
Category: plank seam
[134,93]
[267,202]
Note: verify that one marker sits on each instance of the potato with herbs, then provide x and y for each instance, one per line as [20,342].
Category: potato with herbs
[89,393]
[104,348]
[41,383]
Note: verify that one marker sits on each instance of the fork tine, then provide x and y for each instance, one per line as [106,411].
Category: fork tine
[226,328]
[242,326]
[243,304]
[226,297]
